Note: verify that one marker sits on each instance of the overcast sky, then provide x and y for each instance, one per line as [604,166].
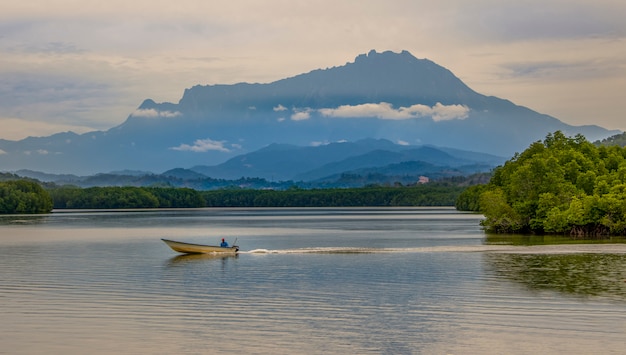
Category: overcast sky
[85,65]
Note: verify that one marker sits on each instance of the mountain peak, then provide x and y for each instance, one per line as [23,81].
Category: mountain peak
[381,95]
[389,58]
[373,55]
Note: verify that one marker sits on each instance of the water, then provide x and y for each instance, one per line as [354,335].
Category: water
[308,281]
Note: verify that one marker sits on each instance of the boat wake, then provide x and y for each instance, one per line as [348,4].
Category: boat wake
[497,248]
[330,250]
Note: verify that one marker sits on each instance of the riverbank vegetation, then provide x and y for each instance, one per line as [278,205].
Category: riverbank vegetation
[22,197]
[562,185]
[432,194]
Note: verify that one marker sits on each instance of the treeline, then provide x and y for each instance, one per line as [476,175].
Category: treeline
[23,197]
[159,197]
[562,185]
[28,196]
[618,139]
[126,197]
[420,195]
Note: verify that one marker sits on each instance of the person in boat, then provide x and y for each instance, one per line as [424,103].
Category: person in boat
[224,244]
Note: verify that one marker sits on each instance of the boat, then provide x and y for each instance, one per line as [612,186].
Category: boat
[190,248]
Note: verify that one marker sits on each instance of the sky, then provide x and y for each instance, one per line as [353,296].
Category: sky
[70,65]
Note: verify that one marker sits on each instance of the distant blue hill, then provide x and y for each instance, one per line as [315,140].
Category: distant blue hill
[390,96]
[290,162]
[345,164]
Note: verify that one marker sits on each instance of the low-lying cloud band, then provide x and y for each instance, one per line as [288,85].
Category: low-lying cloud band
[386,111]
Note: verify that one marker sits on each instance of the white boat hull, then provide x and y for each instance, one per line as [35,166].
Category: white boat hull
[190,248]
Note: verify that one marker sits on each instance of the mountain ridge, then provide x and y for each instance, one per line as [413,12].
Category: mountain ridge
[387,95]
[380,161]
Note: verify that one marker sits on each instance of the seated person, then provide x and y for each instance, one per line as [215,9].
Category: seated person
[224,244]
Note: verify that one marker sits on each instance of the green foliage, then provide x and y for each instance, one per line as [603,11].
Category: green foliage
[176,197]
[125,197]
[158,197]
[469,199]
[421,195]
[21,196]
[561,185]
[618,139]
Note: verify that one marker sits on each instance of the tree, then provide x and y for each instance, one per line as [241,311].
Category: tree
[21,196]
[561,185]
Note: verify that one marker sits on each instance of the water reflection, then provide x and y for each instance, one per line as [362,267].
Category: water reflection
[576,274]
[519,239]
[356,281]
[194,258]
[7,220]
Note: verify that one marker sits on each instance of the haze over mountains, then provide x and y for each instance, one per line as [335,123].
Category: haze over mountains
[281,166]
[392,96]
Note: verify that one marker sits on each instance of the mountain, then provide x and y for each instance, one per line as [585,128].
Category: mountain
[289,162]
[392,96]
[279,166]
[285,161]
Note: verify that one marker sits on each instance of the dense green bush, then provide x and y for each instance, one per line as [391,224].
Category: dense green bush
[561,185]
[21,196]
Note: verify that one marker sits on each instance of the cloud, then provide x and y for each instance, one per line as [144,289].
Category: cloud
[152,113]
[280,108]
[450,112]
[318,143]
[52,96]
[386,111]
[301,115]
[520,21]
[203,145]
[73,64]
[52,48]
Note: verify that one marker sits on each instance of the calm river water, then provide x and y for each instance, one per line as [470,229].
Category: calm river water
[308,281]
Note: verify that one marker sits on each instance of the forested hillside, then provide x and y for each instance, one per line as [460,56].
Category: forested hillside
[618,139]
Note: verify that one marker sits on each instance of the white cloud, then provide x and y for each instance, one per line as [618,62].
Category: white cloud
[319,143]
[280,108]
[203,145]
[386,111]
[301,115]
[152,113]
[450,112]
